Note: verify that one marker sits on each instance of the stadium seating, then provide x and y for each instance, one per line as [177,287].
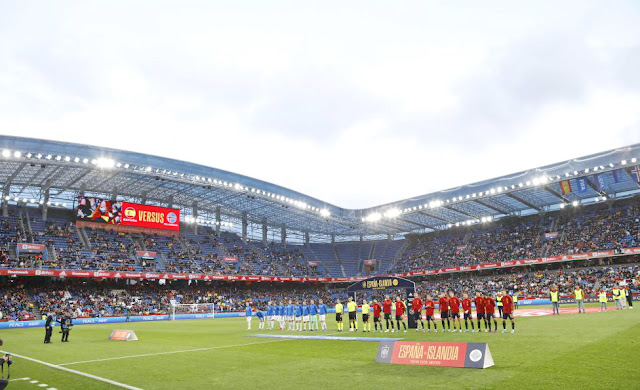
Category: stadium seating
[574,231]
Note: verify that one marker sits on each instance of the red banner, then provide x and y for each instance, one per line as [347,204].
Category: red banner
[231,259]
[313,263]
[432,354]
[469,355]
[31,247]
[146,254]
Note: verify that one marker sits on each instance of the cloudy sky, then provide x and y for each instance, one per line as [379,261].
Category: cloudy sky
[357,103]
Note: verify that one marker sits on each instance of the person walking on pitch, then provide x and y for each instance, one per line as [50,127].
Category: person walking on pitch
[555,300]
[602,297]
[616,297]
[48,328]
[578,295]
[260,318]
[247,314]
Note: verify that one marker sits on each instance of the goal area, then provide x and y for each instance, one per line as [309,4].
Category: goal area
[200,310]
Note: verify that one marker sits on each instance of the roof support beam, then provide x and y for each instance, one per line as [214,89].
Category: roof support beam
[485,204]
[74,180]
[554,193]
[524,202]
[433,216]
[416,223]
[460,211]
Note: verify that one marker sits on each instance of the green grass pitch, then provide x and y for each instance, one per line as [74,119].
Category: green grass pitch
[589,351]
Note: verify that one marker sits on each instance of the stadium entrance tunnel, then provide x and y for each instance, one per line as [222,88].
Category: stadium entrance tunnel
[386,283]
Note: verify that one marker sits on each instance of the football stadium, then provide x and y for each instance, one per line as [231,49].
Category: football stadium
[323,196]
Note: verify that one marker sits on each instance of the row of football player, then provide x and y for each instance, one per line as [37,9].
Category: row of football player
[293,316]
[303,316]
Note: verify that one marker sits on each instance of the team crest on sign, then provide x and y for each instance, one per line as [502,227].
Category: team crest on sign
[395,282]
[385,352]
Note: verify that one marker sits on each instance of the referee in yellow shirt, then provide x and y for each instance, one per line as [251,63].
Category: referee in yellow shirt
[352,307]
[366,326]
[339,311]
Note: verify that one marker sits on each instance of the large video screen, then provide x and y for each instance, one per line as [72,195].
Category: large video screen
[92,209]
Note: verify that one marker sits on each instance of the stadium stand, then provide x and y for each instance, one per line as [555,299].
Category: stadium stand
[28,299]
[564,232]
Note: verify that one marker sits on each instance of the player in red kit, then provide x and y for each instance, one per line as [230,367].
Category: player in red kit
[386,309]
[416,306]
[466,309]
[430,307]
[377,310]
[454,309]
[443,305]
[489,311]
[400,309]
[507,312]
[479,302]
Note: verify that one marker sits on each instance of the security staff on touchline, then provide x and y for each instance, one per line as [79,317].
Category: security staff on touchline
[48,328]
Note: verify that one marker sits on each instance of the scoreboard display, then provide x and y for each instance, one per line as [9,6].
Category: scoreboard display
[96,210]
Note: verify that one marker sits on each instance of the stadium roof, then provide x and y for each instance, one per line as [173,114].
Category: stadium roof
[28,167]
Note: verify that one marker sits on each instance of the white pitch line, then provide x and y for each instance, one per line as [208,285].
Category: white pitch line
[181,351]
[124,386]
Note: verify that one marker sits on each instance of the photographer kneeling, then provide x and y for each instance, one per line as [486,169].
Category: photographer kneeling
[5,359]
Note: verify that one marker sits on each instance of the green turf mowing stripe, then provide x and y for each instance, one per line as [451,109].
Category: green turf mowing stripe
[98,378]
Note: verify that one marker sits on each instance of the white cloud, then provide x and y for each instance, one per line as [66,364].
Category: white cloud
[357,104]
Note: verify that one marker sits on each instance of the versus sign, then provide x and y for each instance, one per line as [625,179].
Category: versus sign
[146,216]
[467,355]
[108,212]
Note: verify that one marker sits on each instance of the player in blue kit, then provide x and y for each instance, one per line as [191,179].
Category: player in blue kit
[305,316]
[313,311]
[271,316]
[290,317]
[280,314]
[298,324]
[260,317]
[247,314]
[322,314]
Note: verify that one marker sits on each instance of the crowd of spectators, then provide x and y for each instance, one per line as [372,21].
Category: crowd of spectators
[568,232]
[561,234]
[26,298]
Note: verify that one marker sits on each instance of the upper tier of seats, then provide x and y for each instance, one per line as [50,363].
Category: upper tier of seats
[574,231]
